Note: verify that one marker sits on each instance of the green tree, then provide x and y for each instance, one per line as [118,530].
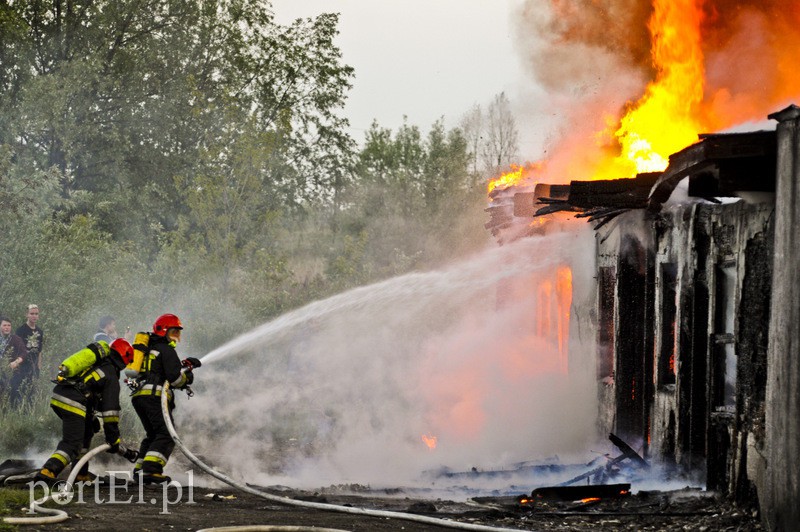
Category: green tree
[121,96]
[393,162]
[409,195]
[445,169]
[188,138]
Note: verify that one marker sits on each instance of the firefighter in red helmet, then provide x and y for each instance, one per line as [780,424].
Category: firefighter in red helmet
[161,363]
[87,385]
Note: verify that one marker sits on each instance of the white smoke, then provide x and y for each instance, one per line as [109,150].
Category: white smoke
[342,390]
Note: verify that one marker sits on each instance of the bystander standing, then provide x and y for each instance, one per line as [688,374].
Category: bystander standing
[107,330]
[12,355]
[22,381]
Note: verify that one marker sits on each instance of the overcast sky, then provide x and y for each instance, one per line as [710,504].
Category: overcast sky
[425,59]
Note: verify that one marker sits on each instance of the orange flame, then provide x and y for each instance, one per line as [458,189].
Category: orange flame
[553,303]
[564,295]
[665,119]
[517,175]
[430,441]
[590,499]
[508,179]
[713,64]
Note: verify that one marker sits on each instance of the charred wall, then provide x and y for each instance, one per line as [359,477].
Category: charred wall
[607,319]
[779,484]
[624,298]
[752,343]
[682,356]
[738,281]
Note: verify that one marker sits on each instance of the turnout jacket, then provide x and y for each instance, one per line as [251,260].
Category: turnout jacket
[162,364]
[94,390]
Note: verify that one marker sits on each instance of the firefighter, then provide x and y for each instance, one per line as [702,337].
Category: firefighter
[160,364]
[87,388]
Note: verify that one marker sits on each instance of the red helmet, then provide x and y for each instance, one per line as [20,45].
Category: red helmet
[124,349]
[164,322]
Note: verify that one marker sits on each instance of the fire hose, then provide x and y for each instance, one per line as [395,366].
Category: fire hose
[271,528]
[55,515]
[305,504]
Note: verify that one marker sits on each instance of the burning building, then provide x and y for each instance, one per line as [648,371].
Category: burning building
[696,307]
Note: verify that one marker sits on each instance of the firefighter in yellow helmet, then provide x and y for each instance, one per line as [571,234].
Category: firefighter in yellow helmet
[160,364]
[87,382]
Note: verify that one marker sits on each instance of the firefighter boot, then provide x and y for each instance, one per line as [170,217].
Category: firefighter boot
[46,476]
[155,478]
[85,477]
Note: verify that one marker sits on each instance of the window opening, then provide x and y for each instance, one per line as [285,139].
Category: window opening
[607,284]
[668,338]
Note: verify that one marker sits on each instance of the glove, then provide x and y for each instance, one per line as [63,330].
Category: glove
[192,362]
[114,449]
[189,377]
[95,425]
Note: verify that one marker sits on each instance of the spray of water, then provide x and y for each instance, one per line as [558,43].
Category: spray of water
[348,389]
[456,284]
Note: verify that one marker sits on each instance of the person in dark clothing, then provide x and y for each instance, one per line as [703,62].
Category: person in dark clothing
[12,355]
[160,364]
[87,383]
[23,378]
[106,330]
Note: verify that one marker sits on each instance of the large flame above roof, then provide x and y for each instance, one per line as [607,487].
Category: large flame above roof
[636,80]
[665,119]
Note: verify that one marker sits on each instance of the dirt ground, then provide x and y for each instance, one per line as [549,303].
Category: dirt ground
[134,509]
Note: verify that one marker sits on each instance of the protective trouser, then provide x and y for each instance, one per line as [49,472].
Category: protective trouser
[157,444]
[77,432]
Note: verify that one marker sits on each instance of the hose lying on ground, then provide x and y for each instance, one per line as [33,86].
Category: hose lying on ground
[305,504]
[55,515]
[270,528]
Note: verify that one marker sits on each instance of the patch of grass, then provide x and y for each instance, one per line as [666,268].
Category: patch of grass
[30,427]
[11,502]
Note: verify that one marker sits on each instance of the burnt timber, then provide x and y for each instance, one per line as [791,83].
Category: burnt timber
[576,493]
